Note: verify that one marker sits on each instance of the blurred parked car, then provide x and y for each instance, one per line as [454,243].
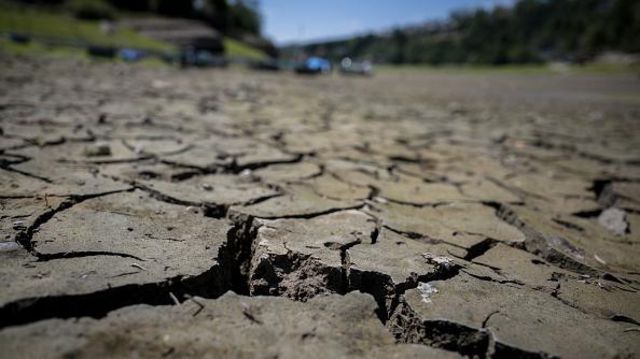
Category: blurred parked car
[349,67]
[107,52]
[19,38]
[191,56]
[314,65]
[131,55]
[267,65]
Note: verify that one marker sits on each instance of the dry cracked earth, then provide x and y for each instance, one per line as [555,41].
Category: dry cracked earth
[153,212]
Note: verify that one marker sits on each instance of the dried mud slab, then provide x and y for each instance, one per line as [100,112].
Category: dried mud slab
[17,181]
[211,190]
[124,247]
[301,258]
[477,317]
[232,326]
[459,224]
[392,263]
[283,173]
[299,200]
[567,242]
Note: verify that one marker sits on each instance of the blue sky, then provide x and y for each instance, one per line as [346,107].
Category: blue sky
[287,21]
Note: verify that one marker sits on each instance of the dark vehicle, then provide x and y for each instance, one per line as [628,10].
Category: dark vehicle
[267,65]
[19,38]
[106,52]
[201,58]
[349,67]
[314,65]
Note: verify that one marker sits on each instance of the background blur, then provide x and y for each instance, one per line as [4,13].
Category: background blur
[463,32]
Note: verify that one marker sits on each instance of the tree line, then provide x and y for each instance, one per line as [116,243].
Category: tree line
[530,31]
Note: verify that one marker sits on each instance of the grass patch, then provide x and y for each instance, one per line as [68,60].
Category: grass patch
[44,24]
[38,49]
[235,48]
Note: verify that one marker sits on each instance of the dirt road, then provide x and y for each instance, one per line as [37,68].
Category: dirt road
[155,212]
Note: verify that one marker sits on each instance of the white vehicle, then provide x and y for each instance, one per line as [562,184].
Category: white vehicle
[349,67]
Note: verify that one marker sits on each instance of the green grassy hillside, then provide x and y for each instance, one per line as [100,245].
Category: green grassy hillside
[61,25]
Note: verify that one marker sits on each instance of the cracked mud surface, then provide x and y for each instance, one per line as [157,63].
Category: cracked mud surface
[165,213]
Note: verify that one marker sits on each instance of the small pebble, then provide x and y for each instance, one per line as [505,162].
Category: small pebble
[207,187]
[615,220]
[426,291]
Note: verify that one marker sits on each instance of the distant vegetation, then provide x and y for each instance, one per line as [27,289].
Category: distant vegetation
[532,31]
[40,23]
[227,16]
[238,21]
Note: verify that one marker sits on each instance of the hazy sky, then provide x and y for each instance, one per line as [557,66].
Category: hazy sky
[303,20]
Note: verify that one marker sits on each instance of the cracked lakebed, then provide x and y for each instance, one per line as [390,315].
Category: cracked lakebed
[164,213]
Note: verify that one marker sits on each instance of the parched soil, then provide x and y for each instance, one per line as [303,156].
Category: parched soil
[158,212]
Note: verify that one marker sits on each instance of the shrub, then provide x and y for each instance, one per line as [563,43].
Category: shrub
[91,9]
